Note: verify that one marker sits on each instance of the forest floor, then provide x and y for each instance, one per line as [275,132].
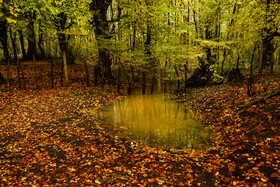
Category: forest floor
[52,137]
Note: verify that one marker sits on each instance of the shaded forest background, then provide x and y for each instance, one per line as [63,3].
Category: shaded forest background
[188,42]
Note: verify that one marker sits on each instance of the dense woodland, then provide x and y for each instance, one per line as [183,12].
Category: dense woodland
[64,60]
[192,42]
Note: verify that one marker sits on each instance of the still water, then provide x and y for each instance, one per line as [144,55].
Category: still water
[157,121]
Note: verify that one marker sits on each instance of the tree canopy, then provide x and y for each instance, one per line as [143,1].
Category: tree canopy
[164,35]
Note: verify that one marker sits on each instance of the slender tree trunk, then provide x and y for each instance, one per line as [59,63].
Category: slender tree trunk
[223,62]
[40,45]
[52,75]
[129,90]
[238,60]
[159,81]
[8,73]
[13,40]
[4,39]
[35,71]
[23,77]
[178,78]
[143,83]
[18,71]
[22,44]
[87,73]
[271,63]
[65,68]
[261,60]
[61,73]
[186,76]
[153,82]
[165,82]
[119,79]
[97,74]
[250,81]
[31,42]
[2,80]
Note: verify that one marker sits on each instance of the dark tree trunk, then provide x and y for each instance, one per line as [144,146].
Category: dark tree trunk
[13,39]
[8,73]
[165,82]
[143,83]
[129,90]
[101,31]
[2,80]
[40,43]
[250,81]
[178,78]
[267,52]
[52,75]
[4,39]
[87,73]
[35,71]
[97,74]
[31,42]
[61,73]
[119,79]
[186,76]
[61,25]
[22,44]
[153,82]
[18,72]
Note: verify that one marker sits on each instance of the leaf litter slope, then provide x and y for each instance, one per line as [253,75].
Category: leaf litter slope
[49,138]
[247,143]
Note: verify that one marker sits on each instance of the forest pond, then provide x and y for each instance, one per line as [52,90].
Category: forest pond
[157,121]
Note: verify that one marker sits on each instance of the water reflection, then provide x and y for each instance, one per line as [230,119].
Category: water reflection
[156,120]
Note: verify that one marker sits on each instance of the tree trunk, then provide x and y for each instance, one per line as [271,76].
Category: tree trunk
[2,80]
[22,44]
[97,74]
[18,71]
[61,73]
[31,42]
[119,79]
[186,76]
[129,90]
[52,75]
[35,72]
[65,68]
[271,63]
[261,59]
[40,43]
[13,39]
[250,81]
[159,81]
[101,31]
[8,73]
[178,78]
[165,82]
[106,62]
[143,83]
[87,73]
[4,39]
[223,62]
[153,82]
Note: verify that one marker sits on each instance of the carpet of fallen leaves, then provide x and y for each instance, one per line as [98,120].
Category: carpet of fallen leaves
[50,137]
[246,149]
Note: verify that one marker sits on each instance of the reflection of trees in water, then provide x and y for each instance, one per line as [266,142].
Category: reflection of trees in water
[156,120]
